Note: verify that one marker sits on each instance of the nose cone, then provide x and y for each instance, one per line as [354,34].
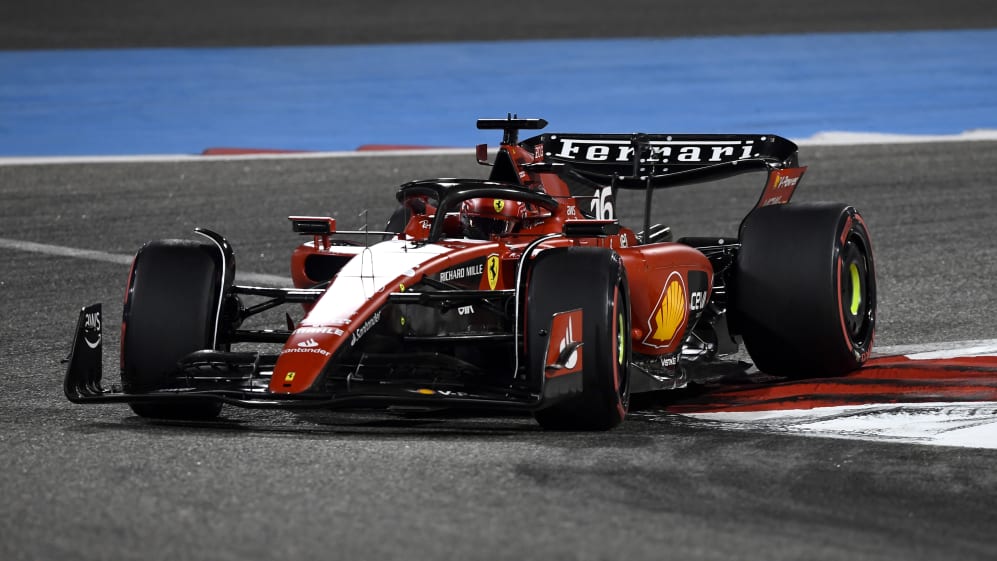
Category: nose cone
[303,358]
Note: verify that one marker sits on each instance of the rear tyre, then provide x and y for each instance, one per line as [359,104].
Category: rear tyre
[804,295]
[170,311]
[593,280]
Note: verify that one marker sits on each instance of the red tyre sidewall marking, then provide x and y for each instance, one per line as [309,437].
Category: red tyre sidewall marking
[840,263]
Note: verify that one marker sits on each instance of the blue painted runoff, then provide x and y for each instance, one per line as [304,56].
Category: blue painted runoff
[168,101]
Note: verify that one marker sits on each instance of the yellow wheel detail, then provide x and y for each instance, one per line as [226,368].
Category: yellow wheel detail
[856,289]
[620,341]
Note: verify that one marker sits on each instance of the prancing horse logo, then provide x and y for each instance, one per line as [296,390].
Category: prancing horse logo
[493,266]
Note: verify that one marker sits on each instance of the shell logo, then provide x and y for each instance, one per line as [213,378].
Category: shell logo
[669,314]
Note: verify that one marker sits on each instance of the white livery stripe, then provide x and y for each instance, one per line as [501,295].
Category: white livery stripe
[366,276]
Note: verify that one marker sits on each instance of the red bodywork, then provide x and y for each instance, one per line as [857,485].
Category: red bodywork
[669,282]
[509,292]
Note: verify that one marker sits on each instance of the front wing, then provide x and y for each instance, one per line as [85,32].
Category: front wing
[242,379]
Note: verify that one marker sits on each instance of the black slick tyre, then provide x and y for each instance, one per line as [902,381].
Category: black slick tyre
[804,289]
[170,311]
[594,281]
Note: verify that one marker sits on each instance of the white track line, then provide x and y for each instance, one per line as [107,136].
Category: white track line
[968,425]
[845,138]
[830,138]
[928,351]
[126,260]
[62,251]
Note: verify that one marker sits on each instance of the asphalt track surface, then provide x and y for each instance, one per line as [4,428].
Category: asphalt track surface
[98,483]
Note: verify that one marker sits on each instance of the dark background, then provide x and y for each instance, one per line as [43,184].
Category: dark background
[61,24]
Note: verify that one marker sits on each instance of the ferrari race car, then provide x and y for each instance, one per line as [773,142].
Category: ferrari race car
[520,292]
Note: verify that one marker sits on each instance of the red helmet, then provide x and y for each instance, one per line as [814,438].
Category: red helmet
[482,218]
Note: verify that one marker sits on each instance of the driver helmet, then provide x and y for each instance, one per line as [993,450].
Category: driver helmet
[482,218]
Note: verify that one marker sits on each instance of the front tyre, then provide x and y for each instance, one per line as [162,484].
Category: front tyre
[170,311]
[594,281]
[804,295]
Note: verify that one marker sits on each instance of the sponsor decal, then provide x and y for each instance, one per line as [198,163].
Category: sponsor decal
[782,182]
[538,151]
[698,284]
[309,344]
[660,151]
[443,393]
[780,186]
[669,314]
[565,333]
[288,378]
[573,359]
[319,331]
[91,323]
[697,300]
[363,329]
[498,205]
[465,310]
[494,268]
[602,204]
[463,272]
[310,350]
[572,211]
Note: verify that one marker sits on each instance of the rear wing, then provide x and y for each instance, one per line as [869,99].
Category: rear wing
[640,161]
[651,161]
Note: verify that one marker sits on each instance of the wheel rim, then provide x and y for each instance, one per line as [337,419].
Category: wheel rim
[853,270]
[620,341]
[857,290]
[622,332]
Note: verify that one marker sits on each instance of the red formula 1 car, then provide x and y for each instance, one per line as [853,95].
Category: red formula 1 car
[521,291]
